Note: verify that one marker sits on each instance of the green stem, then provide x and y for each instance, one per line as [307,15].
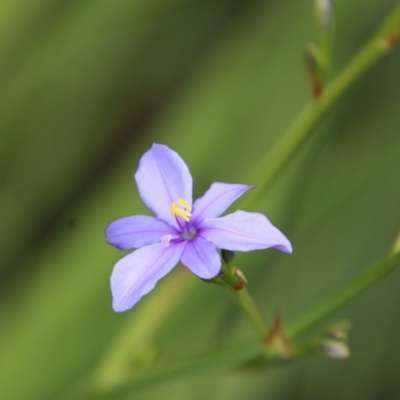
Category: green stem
[269,167]
[345,295]
[228,358]
[246,303]
[274,161]
[251,350]
[233,278]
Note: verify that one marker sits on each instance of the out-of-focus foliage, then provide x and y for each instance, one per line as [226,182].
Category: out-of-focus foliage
[87,86]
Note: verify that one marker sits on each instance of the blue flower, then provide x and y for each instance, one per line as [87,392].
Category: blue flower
[180,231]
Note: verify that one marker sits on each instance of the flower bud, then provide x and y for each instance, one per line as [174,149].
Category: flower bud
[311,58]
[396,247]
[324,12]
[335,349]
[338,331]
[333,343]
[227,255]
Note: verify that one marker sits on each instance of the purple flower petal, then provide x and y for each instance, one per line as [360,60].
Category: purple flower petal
[216,200]
[162,178]
[137,231]
[202,258]
[243,231]
[137,273]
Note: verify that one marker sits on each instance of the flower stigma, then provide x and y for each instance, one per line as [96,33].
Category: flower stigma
[166,240]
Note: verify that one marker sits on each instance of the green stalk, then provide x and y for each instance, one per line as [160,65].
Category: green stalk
[269,167]
[235,355]
[275,160]
[246,303]
[234,280]
[345,295]
[251,350]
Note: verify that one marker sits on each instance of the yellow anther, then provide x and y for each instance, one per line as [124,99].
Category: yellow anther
[184,204]
[183,213]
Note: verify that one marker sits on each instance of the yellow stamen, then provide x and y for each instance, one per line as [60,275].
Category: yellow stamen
[183,213]
[184,204]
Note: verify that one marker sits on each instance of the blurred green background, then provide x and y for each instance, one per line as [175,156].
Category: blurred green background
[86,86]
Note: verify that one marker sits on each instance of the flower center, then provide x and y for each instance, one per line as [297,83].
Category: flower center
[189,233]
[182,209]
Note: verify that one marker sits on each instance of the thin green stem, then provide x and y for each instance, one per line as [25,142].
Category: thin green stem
[251,350]
[269,167]
[247,305]
[345,295]
[228,358]
[297,133]
[234,279]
